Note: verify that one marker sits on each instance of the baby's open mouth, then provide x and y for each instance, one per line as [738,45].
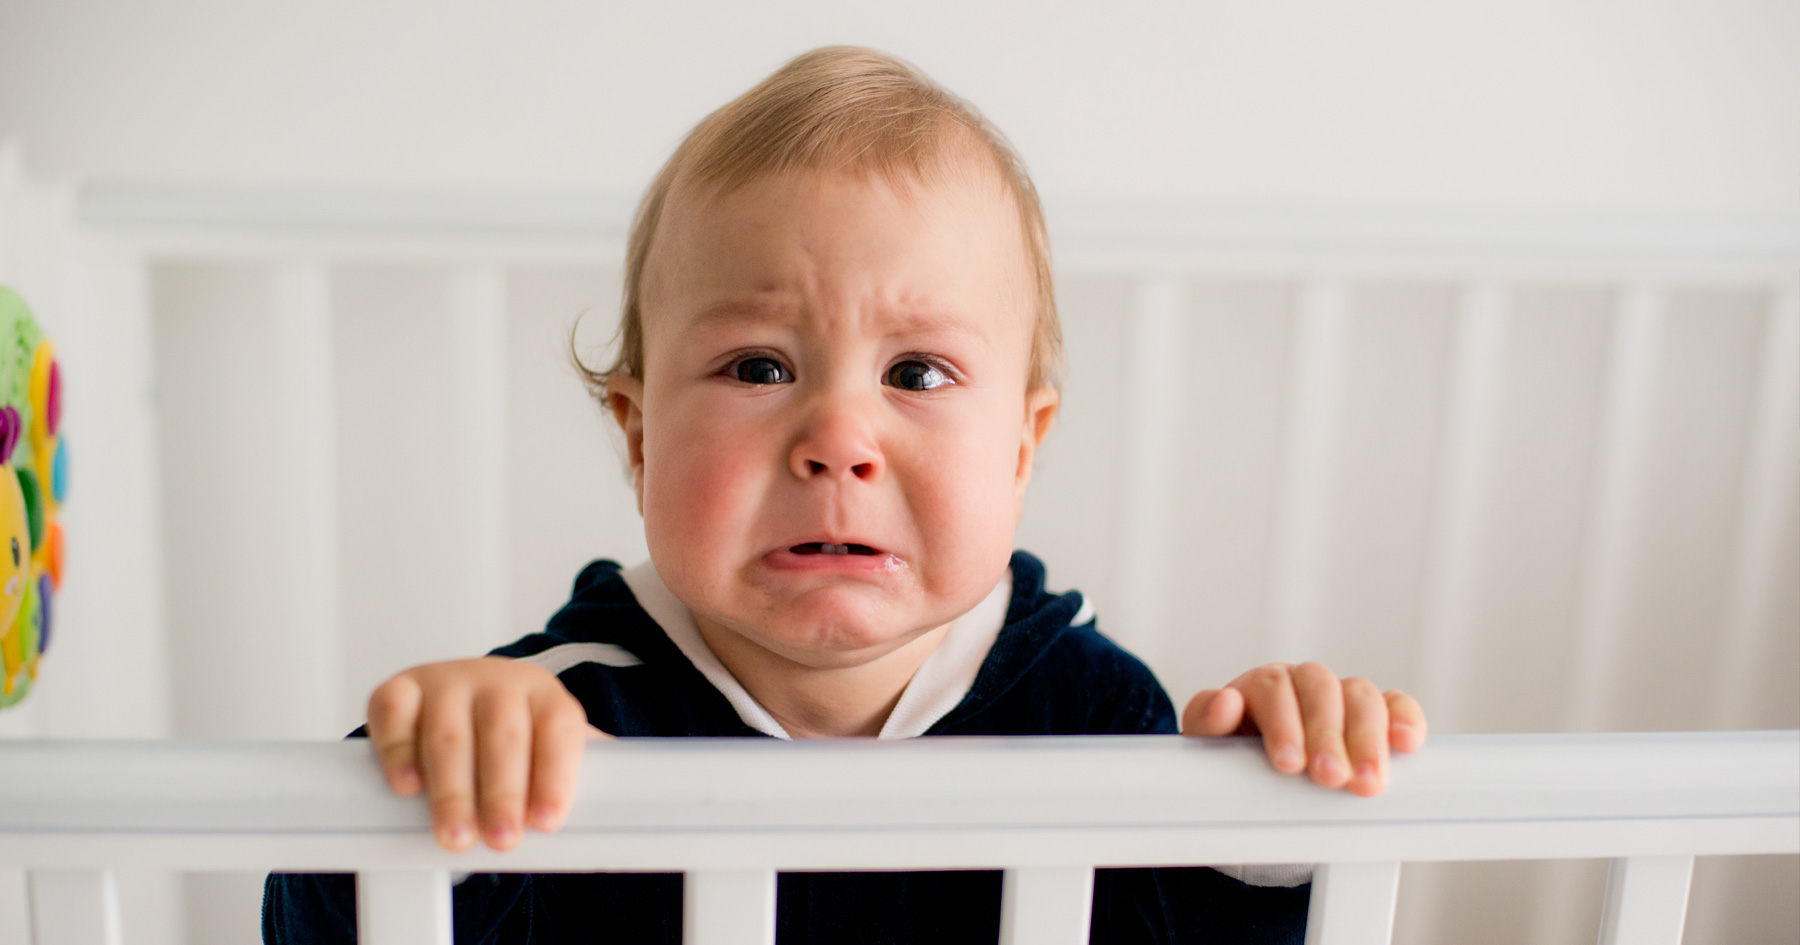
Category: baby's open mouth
[827,548]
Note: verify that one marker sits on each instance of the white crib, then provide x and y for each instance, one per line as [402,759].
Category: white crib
[730,813]
[1538,470]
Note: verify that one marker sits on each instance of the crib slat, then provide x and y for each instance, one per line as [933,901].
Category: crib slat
[74,907]
[1152,473]
[478,340]
[1353,904]
[1477,395]
[1046,906]
[1318,373]
[1768,468]
[403,907]
[728,907]
[1646,900]
[304,409]
[1635,362]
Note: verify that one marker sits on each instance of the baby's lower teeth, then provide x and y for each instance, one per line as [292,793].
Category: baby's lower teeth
[830,549]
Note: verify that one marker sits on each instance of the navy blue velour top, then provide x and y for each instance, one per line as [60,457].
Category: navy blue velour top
[1043,676]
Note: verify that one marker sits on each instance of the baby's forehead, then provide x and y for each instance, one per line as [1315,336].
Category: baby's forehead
[956,165]
[932,236]
[987,226]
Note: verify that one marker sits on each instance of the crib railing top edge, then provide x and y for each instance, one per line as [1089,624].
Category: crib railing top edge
[925,803]
[1104,782]
[186,214]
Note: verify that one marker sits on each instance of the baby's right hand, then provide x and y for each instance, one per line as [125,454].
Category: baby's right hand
[489,735]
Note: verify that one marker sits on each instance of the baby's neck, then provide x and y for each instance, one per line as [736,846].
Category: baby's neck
[812,702]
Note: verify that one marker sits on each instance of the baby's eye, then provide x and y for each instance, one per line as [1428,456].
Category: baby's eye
[761,371]
[916,375]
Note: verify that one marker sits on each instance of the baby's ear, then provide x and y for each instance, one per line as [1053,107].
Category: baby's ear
[1040,413]
[625,396]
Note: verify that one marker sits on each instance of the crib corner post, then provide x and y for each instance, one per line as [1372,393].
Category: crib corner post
[1353,904]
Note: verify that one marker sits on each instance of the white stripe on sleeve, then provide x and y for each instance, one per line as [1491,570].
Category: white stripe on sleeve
[562,657]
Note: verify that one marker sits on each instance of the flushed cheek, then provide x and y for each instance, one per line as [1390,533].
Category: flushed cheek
[962,499]
[702,489]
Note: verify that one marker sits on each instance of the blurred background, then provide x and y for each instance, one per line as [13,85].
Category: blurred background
[1454,345]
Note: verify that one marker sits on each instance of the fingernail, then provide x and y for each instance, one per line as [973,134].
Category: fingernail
[502,835]
[1287,758]
[1366,772]
[454,835]
[1327,766]
[543,818]
[407,778]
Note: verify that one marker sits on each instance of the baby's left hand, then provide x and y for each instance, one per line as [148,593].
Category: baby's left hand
[1339,730]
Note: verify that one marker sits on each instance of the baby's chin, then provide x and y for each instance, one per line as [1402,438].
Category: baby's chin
[835,627]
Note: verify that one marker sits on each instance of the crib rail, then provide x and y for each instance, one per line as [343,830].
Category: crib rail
[730,813]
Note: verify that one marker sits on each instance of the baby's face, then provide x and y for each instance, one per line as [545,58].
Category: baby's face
[833,360]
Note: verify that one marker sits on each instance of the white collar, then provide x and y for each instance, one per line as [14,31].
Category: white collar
[940,683]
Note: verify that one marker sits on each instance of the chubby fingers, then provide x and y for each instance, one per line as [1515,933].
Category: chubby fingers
[1340,731]
[559,730]
[447,755]
[503,730]
[394,732]
[491,741]
[1321,700]
[1365,736]
[1272,707]
[1406,721]
[1214,712]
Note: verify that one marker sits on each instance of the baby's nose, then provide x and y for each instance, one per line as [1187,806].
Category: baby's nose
[836,445]
[859,470]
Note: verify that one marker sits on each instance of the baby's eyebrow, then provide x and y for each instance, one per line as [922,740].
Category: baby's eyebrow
[896,321]
[927,319]
[733,311]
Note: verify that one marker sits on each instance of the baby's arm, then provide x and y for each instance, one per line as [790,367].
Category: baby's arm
[492,736]
[1339,730]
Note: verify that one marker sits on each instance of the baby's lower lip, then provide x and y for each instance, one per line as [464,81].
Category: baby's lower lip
[805,560]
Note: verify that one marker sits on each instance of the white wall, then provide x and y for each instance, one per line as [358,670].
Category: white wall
[1683,105]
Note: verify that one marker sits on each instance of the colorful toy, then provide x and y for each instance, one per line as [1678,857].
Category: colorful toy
[33,484]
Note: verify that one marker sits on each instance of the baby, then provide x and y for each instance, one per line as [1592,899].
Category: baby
[839,355]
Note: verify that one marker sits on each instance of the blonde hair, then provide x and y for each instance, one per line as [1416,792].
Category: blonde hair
[839,107]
